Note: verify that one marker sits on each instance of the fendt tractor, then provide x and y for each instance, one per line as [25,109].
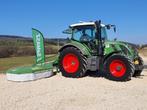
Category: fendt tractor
[90,50]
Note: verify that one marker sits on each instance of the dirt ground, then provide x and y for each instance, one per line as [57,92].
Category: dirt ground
[88,93]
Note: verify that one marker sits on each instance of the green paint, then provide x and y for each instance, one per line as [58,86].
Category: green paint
[38,41]
[31,69]
[82,47]
[131,53]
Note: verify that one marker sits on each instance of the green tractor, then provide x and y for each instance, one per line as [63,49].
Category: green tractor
[90,50]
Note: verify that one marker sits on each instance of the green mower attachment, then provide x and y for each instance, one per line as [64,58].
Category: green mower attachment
[29,73]
[39,70]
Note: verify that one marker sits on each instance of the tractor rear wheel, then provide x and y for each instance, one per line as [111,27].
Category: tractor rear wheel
[138,72]
[72,63]
[118,67]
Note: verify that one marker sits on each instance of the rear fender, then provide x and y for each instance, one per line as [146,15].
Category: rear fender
[79,46]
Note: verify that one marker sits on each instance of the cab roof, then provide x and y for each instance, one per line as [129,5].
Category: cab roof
[69,30]
[84,24]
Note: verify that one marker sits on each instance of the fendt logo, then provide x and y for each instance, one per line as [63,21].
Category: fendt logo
[38,46]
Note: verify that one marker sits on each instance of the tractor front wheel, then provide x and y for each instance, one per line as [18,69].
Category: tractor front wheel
[72,63]
[118,67]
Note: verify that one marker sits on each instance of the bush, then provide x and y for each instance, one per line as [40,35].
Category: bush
[25,51]
[4,52]
[7,51]
[50,50]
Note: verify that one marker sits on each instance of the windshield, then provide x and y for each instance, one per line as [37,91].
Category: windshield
[104,33]
[86,31]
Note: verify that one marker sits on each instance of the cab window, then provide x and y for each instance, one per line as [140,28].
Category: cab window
[87,31]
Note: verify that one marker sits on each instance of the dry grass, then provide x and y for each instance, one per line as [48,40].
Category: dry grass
[143,51]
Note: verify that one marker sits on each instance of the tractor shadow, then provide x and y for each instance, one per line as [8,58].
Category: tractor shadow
[99,74]
[145,70]
[94,74]
[143,74]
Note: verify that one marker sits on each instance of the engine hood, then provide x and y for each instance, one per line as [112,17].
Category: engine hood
[119,46]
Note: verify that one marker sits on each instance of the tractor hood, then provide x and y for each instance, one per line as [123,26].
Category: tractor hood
[119,46]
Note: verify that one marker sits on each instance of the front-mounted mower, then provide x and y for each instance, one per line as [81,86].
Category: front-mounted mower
[90,50]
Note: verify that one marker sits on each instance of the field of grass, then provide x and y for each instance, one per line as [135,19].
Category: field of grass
[143,51]
[12,62]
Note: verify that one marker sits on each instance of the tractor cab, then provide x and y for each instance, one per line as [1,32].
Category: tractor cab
[92,34]
[85,31]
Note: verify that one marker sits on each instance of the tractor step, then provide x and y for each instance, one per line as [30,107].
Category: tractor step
[93,63]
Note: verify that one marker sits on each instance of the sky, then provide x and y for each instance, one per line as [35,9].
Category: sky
[51,17]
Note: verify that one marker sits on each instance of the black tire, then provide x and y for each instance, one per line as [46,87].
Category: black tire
[138,72]
[129,68]
[82,62]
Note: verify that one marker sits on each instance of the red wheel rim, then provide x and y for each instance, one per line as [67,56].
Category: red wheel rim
[70,63]
[117,68]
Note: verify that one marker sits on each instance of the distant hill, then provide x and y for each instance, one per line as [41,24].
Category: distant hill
[12,36]
[20,40]
[23,46]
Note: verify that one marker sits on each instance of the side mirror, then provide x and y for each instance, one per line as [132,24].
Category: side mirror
[114,28]
[109,26]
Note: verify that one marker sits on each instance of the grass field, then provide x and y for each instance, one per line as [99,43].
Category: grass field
[143,51]
[7,63]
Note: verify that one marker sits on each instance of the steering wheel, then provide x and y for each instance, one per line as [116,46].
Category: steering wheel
[85,38]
